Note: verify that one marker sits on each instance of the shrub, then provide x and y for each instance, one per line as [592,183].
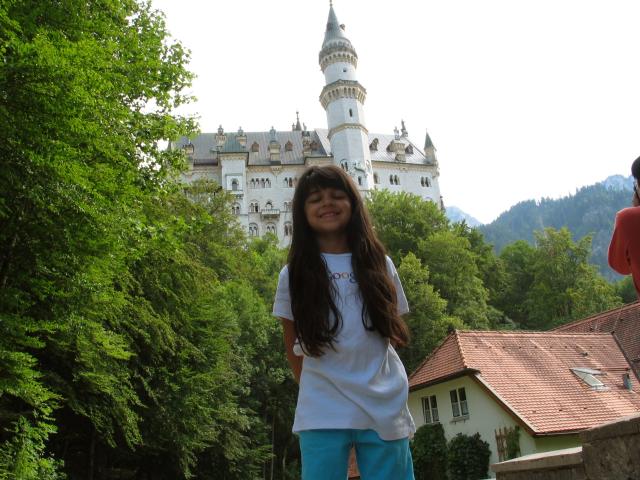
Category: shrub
[429,451]
[468,457]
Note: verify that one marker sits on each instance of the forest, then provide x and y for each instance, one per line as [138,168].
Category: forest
[589,211]
[136,339]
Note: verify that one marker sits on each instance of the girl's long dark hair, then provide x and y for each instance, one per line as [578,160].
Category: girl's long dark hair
[309,284]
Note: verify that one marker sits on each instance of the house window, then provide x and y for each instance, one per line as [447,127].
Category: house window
[430,409]
[459,403]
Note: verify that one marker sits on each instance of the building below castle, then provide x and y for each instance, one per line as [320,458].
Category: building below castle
[260,169]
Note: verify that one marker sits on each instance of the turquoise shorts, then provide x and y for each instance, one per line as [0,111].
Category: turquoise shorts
[325,455]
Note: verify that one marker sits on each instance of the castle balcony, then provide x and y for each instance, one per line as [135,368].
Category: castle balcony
[270,213]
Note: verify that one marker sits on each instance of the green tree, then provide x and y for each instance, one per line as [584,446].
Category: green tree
[564,286]
[517,259]
[428,321]
[87,91]
[455,275]
[402,219]
[408,224]
[429,452]
[468,457]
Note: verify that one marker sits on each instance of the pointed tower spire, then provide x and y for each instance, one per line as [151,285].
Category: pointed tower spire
[343,99]
[298,126]
[427,142]
[334,35]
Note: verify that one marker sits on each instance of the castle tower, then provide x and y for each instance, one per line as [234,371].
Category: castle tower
[343,99]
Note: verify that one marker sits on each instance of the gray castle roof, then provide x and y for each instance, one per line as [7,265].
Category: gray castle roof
[205,151]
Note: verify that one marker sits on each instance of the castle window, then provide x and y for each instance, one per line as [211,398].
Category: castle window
[360,181]
[409,149]
[252,183]
[351,113]
[235,209]
[267,183]
[314,145]
[269,205]
[288,146]
[253,230]
[234,185]
[288,229]
[287,206]
[271,228]
[376,178]
[262,183]
[255,147]
[374,145]
[254,207]
[391,179]
[397,181]
[344,165]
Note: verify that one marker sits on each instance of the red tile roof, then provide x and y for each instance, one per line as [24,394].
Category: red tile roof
[623,323]
[529,374]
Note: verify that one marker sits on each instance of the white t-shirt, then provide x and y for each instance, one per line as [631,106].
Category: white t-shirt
[361,384]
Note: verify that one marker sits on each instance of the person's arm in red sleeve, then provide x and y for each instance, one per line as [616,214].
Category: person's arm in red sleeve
[624,250]
[618,248]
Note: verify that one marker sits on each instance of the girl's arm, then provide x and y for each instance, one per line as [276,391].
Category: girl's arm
[295,362]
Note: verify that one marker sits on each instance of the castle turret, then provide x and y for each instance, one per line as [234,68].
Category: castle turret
[343,99]
[430,151]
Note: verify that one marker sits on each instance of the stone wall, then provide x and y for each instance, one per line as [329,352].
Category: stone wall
[608,452]
[612,451]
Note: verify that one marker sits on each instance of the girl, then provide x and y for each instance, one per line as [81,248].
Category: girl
[340,300]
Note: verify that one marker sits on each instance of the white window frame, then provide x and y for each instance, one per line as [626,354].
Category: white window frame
[459,407]
[430,410]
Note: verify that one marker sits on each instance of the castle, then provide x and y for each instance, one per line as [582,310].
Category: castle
[260,169]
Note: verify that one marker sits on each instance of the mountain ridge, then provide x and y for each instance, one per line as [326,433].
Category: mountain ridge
[589,211]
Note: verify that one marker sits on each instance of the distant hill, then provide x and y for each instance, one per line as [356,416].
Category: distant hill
[591,210]
[456,215]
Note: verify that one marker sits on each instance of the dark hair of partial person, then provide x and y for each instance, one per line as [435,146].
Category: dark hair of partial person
[635,168]
[309,284]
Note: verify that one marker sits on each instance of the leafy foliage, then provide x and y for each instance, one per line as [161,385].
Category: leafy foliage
[590,211]
[429,452]
[552,283]
[468,457]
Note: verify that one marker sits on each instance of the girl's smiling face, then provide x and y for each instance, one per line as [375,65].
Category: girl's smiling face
[328,210]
